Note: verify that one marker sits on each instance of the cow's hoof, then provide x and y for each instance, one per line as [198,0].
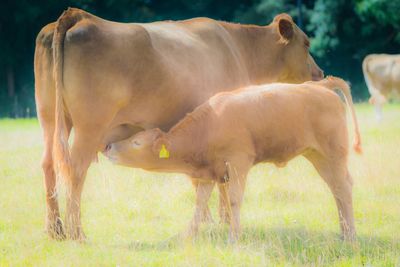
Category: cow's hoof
[80,237]
[55,229]
[77,234]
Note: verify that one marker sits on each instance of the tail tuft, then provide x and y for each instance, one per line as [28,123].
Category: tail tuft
[357,147]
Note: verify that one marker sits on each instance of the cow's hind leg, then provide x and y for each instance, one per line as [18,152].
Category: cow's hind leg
[377,99]
[53,221]
[336,175]
[83,151]
[45,106]
[378,112]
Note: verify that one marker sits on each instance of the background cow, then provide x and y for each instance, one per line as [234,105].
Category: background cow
[382,76]
[112,80]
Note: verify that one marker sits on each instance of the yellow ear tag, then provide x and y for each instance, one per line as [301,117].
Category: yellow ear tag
[164,153]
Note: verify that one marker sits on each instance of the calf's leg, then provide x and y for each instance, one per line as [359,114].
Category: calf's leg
[232,192]
[222,209]
[336,175]
[203,193]
[342,191]
[206,213]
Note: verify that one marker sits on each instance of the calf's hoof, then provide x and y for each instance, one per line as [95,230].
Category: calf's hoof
[233,237]
[206,217]
[190,234]
[224,219]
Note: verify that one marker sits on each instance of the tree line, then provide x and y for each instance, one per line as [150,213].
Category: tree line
[342,33]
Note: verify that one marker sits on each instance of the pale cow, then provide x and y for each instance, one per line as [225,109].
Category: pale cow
[109,80]
[223,138]
[382,76]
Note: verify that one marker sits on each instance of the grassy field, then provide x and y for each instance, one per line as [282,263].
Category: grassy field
[132,217]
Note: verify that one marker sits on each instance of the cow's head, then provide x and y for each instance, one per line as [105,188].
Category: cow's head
[141,150]
[296,62]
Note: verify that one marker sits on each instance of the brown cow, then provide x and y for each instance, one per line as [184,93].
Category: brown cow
[112,80]
[223,138]
[382,76]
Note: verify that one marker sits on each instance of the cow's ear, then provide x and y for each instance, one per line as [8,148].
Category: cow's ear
[285,27]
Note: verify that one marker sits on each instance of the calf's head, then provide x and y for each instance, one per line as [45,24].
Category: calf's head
[293,49]
[141,150]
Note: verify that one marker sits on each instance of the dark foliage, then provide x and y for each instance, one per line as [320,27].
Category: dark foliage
[342,32]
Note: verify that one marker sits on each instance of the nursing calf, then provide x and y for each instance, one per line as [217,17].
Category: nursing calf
[223,138]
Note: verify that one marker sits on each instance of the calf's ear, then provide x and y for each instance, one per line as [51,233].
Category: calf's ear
[285,26]
[160,143]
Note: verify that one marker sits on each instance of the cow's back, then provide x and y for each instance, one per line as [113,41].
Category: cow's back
[380,65]
[200,53]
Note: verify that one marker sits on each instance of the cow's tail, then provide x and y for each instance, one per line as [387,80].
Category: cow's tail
[61,154]
[339,84]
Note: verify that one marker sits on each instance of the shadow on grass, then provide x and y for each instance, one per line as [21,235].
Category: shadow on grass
[298,245]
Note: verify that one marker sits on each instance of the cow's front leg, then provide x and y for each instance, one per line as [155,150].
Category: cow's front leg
[203,193]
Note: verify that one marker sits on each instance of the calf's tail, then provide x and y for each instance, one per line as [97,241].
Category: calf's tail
[333,83]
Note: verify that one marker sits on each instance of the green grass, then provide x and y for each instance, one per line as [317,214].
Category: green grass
[132,217]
